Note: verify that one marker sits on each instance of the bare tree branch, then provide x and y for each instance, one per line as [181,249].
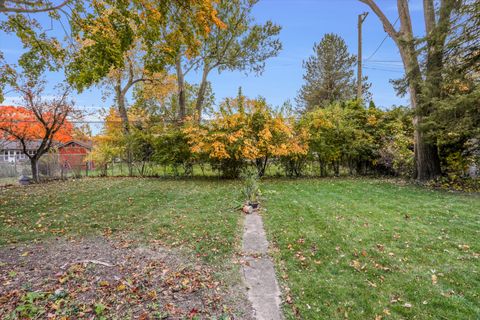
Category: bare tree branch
[387,25]
[28,6]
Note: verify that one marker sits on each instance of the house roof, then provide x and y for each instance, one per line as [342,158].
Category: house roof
[33,145]
[16,145]
[85,144]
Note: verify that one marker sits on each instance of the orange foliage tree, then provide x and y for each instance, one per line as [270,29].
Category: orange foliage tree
[245,131]
[113,143]
[38,125]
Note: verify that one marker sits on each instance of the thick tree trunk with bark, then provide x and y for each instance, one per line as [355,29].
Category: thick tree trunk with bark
[181,89]
[427,161]
[122,109]
[34,167]
[123,113]
[426,158]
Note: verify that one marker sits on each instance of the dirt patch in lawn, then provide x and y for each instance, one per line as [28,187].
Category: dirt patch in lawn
[100,277]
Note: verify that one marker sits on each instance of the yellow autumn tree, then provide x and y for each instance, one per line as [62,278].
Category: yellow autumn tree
[108,145]
[245,131]
[123,43]
[114,144]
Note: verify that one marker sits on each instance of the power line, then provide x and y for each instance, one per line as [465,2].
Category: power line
[392,66]
[381,43]
[389,70]
[390,61]
[384,64]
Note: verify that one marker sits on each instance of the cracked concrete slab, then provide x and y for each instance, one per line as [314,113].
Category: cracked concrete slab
[258,271]
[254,238]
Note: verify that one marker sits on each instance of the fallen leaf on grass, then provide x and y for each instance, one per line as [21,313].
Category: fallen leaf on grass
[288,299]
[371,284]
[121,287]
[144,316]
[299,255]
[103,283]
[357,265]
[381,267]
[448,294]
[434,279]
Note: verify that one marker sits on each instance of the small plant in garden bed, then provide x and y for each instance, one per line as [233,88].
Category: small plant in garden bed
[251,190]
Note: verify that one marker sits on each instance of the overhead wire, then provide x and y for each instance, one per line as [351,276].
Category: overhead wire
[382,42]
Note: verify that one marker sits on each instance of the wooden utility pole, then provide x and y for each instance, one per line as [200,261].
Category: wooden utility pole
[361,18]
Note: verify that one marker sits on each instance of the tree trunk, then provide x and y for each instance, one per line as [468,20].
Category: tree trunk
[201,93]
[34,167]
[323,168]
[427,161]
[350,167]
[181,89]
[122,109]
[336,168]
[261,164]
[123,113]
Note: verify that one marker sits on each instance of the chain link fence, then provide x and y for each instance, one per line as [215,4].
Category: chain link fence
[56,166]
[51,166]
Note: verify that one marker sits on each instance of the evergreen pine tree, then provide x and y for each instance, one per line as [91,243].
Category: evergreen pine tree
[329,74]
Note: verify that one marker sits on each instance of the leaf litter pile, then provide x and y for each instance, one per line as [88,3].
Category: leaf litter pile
[97,278]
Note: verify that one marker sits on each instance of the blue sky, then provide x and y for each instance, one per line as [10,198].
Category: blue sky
[304,22]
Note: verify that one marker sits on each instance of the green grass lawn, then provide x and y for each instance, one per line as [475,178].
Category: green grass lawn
[199,215]
[366,249]
[345,248]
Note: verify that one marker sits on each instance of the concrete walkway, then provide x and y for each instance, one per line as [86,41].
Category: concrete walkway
[258,271]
